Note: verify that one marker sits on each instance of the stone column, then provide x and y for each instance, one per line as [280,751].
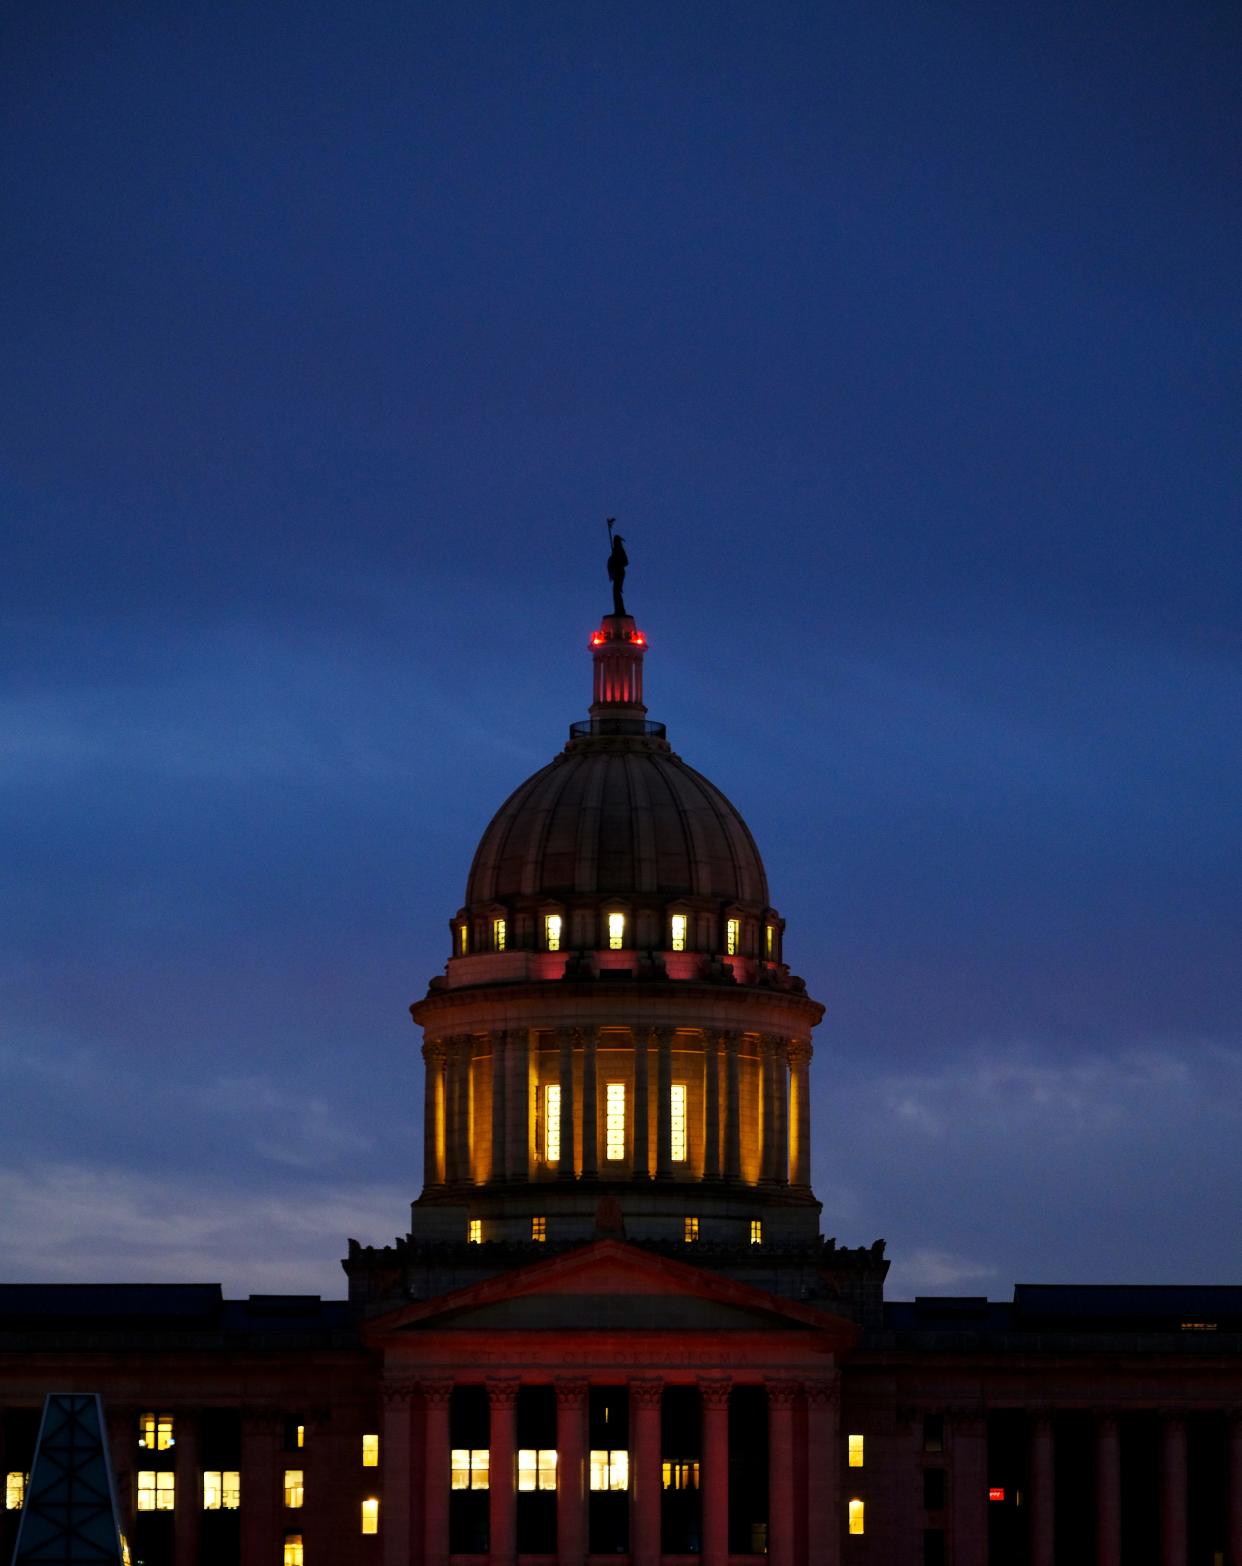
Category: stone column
[780,1103]
[502,1469]
[565,1071]
[189,1493]
[733,1107]
[500,1120]
[433,1114]
[714,1398]
[454,1094]
[968,1452]
[517,1107]
[436,1473]
[800,1089]
[1173,1489]
[1107,1489]
[397,1458]
[645,1487]
[1043,1496]
[781,1397]
[261,1527]
[1234,1468]
[711,1107]
[590,1110]
[571,1482]
[767,1112]
[823,1465]
[664,1105]
[642,1101]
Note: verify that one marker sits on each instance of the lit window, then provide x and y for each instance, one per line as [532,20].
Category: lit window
[469,1467]
[370,1451]
[756,1231]
[856,1451]
[156,1491]
[14,1491]
[770,941]
[552,1122]
[690,1232]
[933,1432]
[539,1228]
[498,935]
[294,1492]
[614,1121]
[221,1490]
[370,1515]
[681,1476]
[474,1231]
[678,938]
[731,929]
[616,932]
[610,1470]
[299,1436]
[552,932]
[677,1112]
[463,939]
[537,1469]
[293,1550]
[856,1517]
[155,1432]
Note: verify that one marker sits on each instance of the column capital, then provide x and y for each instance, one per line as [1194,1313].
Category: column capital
[1106,1420]
[824,1392]
[502,1391]
[967,1419]
[800,1052]
[436,1394]
[646,1394]
[433,1051]
[394,1392]
[263,1417]
[1041,1420]
[1172,1418]
[782,1393]
[714,1391]
[570,1391]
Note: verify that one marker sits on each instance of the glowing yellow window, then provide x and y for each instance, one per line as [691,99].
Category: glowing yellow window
[156,1491]
[552,932]
[856,1451]
[221,1490]
[690,1232]
[616,932]
[293,1550]
[370,1515]
[370,1451]
[539,1228]
[731,933]
[552,1122]
[14,1491]
[474,1231]
[770,941]
[756,1231]
[614,1121]
[677,939]
[610,1470]
[155,1432]
[677,1111]
[299,1436]
[463,940]
[857,1519]
[468,1467]
[536,1468]
[498,935]
[294,1492]
[681,1476]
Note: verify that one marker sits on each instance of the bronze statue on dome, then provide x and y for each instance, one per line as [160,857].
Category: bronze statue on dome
[617,562]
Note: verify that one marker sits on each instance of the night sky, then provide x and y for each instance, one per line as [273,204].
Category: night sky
[905,343]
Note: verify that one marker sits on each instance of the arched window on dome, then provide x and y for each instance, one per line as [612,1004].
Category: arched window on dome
[552,927]
[677,932]
[616,932]
[732,937]
[499,934]
[463,940]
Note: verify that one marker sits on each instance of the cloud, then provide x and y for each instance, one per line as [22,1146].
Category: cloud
[931,1271]
[299,1131]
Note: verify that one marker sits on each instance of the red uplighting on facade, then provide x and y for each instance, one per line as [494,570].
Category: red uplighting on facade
[597,638]
[639,639]
[996,1493]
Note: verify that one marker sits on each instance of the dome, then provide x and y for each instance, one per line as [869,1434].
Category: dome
[622,816]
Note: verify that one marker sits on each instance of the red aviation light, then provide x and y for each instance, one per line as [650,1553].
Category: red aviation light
[638,639]
[996,1493]
[597,638]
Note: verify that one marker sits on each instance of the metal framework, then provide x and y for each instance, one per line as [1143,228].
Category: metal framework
[69,1517]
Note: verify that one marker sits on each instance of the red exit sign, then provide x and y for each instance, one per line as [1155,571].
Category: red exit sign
[996,1493]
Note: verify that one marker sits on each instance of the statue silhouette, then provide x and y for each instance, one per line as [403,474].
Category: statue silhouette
[617,562]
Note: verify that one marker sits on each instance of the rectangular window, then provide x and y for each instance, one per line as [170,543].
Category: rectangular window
[221,1490]
[155,1432]
[370,1451]
[614,1121]
[690,1231]
[681,1476]
[856,1451]
[616,932]
[933,1489]
[14,1491]
[537,1468]
[299,1436]
[677,939]
[610,1470]
[677,1126]
[539,1228]
[756,1231]
[474,1231]
[933,1432]
[770,941]
[293,1550]
[370,1515]
[552,932]
[463,939]
[731,930]
[470,1467]
[857,1517]
[294,1491]
[498,935]
[933,1547]
[156,1490]
[552,1122]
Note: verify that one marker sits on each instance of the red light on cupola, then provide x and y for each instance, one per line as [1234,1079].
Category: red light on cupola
[597,638]
[639,639]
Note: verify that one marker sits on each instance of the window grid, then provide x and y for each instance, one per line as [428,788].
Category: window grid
[677,1121]
[370,1515]
[221,1490]
[15,1490]
[539,1228]
[498,934]
[370,1451]
[552,926]
[293,1550]
[614,1121]
[681,1475]
[690,1231]
[474,1231]
[677,937]
[470,1467]
[856,1451]
[857,1517]
[552,1123]
[295,1492]
[610,1470]
[731,932]
[155,1432]
[756,1231]
[616,931]
[157,1490]
[537,1468]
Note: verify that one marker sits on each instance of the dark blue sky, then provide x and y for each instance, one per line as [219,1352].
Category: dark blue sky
[905,343]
